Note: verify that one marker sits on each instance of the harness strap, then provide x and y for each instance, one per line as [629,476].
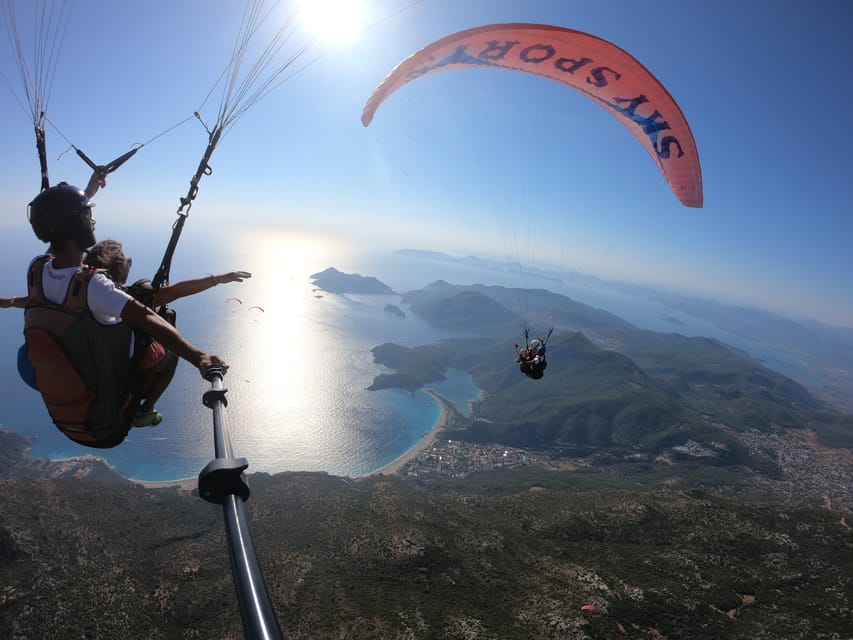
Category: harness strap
[77,296]
[42,151]
[204,169]
[34,279]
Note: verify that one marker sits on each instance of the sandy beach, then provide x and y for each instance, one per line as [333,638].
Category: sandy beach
[191,484]
[186,484]
[425,442]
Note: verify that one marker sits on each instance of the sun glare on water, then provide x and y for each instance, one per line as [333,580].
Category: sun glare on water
[300,357]
[332,22]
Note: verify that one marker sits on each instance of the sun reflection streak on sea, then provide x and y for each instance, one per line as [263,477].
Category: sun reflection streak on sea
[288,354]
[301,364]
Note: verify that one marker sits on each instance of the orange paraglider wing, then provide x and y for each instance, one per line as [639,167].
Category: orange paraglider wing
[588,607]
[597,68]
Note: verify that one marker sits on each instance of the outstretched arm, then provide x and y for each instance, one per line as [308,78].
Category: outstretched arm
[140,316]
[97,181]
[17,302]
[170,293]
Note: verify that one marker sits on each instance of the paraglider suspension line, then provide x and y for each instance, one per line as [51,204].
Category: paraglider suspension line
[204,169]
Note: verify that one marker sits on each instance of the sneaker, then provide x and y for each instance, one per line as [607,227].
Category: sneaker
[148,419]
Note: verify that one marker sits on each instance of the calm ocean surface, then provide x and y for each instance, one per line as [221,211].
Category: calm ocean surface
[300,364]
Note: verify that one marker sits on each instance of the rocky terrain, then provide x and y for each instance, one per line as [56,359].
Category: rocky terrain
[507,553]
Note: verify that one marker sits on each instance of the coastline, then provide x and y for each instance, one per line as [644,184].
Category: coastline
[425,442]
[184,484]
[392,468]
[444,411]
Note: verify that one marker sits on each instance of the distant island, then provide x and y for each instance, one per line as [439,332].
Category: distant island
[335,281]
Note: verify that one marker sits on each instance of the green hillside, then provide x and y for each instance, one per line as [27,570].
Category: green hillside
[499,556]
[612,385]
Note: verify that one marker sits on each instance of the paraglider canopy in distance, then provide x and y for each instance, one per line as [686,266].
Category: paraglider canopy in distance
[588,607]
[597,68]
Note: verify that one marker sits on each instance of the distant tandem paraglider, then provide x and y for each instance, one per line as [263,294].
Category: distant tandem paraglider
[531,358]
[597,68]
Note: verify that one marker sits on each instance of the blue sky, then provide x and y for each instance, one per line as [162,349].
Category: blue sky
[478,162]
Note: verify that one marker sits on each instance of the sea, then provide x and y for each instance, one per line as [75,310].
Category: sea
[300,360]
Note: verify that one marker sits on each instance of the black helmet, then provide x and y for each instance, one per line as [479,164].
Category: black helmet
[62,213]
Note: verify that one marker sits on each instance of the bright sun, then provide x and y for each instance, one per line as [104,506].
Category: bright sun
[332,22]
